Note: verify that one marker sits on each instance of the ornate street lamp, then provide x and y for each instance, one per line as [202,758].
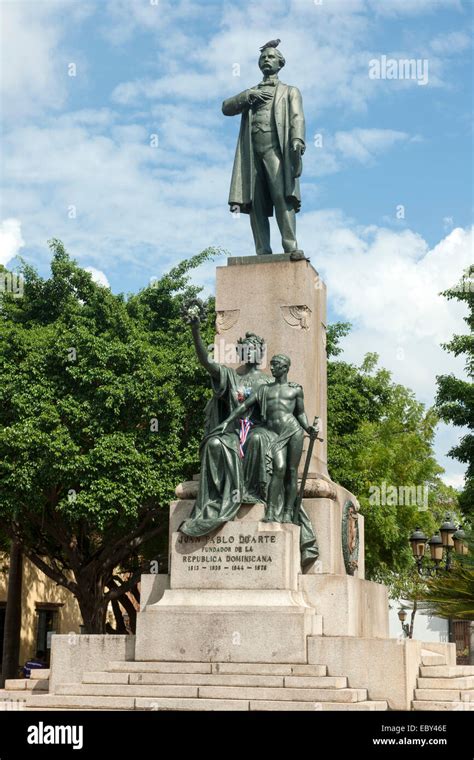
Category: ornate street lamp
[447,539]
[436,548]
[459,544]
[418,544]
[447,530]
[402,616]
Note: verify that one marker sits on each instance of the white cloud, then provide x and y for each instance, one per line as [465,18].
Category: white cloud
[325,47]
[411,7]
[99,277]
[33,73]
[456,480]
[364,144]
[387,283]
[11,240]
[396,271]
[327,154]
[450,43]
[29,39]
[126,17]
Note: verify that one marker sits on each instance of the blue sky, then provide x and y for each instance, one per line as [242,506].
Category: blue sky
[78,163]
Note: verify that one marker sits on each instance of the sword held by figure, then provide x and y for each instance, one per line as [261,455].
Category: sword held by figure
[313,436]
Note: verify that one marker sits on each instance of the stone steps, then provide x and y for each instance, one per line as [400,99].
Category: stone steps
[214,692]
[442,686]
[74,702]
[214,679]
[446,683]
[432,658]
[191,686]
[445,695]
[27,684]
[39,674]
[15,694]
[442,705]
[447,671]
[228,668]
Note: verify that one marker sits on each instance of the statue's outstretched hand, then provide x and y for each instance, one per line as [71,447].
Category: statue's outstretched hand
[194,312]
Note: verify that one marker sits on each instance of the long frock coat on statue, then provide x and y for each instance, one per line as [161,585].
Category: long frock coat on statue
[290,125]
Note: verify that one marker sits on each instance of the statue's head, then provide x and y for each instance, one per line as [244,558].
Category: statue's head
[271,61]
[251,349]
[280,363]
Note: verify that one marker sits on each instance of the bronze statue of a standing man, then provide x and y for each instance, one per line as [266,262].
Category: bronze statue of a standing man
[268,157]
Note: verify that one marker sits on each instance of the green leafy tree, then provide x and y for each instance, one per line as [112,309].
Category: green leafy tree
[455,398]
[380,447]
[98,424]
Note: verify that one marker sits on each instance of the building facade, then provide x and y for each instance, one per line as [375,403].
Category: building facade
[45,609]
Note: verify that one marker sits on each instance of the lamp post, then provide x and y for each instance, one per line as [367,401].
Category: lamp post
[418,545]
[459,544]
[441,543]
[447,530]
[402,616]
[447,539]
[436,550]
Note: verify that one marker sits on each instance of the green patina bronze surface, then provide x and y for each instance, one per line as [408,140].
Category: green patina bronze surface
[268,163]
[350,537]
[227,479]
[268,470]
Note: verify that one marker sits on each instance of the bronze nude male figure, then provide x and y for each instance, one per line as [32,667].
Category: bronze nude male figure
[268,163]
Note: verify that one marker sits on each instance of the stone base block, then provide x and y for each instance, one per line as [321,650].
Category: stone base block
[72,655]
[227,626]
[240,555]
[326,519]
[448,651]
[387,668]
[349,606]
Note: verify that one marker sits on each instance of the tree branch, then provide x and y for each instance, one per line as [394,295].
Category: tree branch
[130,546]
[117,592]
[52,572]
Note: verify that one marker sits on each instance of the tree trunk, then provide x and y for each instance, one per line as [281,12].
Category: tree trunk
[120,623]
[12,631]
[93,611]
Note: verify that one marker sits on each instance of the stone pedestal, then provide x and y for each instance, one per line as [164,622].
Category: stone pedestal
[233,597]
[285,302]
[239,595]
[349,606]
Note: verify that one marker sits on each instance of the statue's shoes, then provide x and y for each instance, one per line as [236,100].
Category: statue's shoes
[287,517]
[298,256]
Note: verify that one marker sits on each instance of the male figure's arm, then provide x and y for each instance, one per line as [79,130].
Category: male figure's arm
[297,123]
[238,412]
[242,102]
[300,414]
